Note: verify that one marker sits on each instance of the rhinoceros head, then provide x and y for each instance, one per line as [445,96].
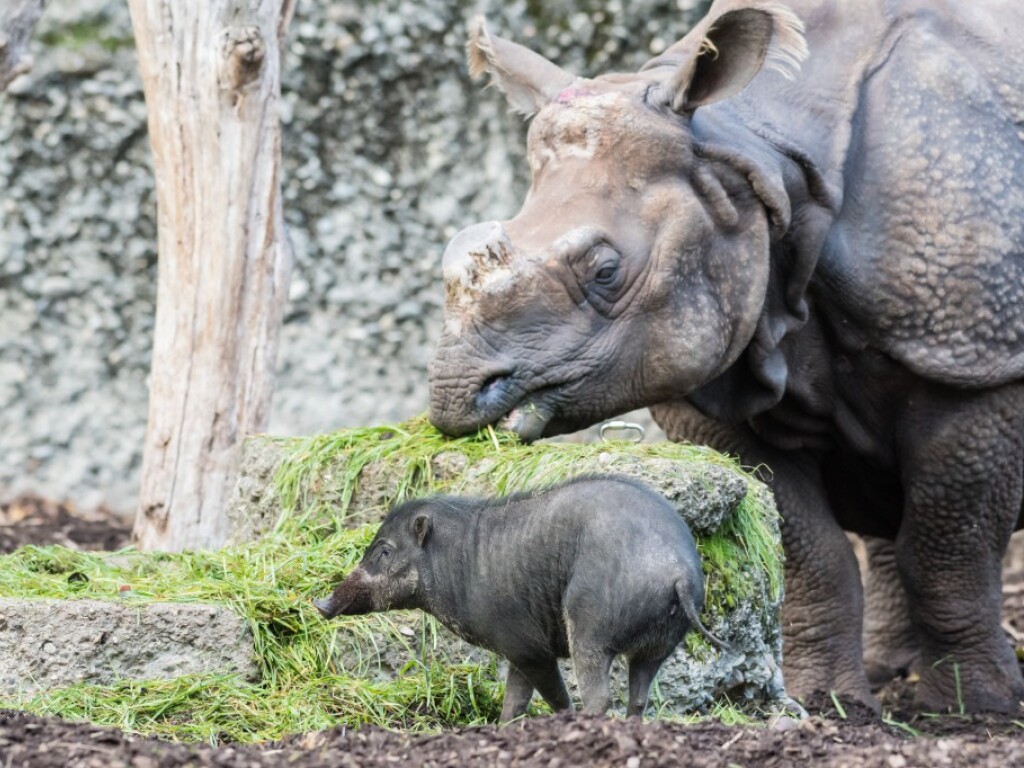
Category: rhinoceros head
[636,269]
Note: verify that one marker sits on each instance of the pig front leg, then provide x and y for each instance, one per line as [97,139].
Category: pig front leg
[526,676]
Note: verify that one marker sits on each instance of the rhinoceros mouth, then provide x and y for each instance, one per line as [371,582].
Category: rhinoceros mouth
[527,420]
[504,402]
[535,414]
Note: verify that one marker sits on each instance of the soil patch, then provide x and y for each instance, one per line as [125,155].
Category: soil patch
[544,742]
[40,522]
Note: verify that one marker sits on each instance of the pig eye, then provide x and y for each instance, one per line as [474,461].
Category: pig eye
[384,553]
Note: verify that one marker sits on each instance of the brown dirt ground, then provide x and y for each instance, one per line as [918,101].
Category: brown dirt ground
[32,520]
[859,739]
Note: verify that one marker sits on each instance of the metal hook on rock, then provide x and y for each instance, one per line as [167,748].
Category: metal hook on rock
[622,426]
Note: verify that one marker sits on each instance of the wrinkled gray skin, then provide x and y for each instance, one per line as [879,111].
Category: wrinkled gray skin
[589,570]
[823,273]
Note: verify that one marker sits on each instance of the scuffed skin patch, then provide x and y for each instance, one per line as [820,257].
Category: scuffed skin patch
[576,126]
[597,124]
[487,272]
[462,298]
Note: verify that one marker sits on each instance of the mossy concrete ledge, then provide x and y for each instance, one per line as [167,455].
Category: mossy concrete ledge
[348,480]
[353,482]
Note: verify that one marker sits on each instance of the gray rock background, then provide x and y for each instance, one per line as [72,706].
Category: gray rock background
[389,150]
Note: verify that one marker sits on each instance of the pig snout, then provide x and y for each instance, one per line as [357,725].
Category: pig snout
[325,606]
[351,597]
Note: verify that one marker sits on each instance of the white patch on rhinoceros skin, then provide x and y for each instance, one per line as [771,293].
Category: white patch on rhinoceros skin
[592,126]
[574,126]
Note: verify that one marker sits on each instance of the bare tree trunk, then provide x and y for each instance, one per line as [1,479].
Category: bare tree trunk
[211,74]
[17,17]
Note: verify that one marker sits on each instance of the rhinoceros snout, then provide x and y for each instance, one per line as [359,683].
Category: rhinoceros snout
[461,404]
[477,248]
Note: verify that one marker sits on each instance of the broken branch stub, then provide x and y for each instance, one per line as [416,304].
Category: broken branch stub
[242,56]
[17,18]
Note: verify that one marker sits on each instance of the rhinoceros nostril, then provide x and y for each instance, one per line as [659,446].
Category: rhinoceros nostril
[493,390]
[491,383]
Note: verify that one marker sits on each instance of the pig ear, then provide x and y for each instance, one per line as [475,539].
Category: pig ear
[722,54]
[528,80]
[421,528]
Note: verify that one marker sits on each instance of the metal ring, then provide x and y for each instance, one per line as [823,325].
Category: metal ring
[622,426]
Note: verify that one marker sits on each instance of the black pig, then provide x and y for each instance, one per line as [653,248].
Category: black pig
[590,569]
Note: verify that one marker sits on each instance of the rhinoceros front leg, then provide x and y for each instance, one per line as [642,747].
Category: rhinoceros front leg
[822,615]
[891,645]
[824,609]
[963,459]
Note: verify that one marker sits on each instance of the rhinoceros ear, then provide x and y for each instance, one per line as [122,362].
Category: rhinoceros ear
[723,53]
[528,79]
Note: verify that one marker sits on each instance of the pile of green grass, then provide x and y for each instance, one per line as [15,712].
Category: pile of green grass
[271,582]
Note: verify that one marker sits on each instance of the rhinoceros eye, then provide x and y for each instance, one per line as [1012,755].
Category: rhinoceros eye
[605,275]
[600,273]
[604,272]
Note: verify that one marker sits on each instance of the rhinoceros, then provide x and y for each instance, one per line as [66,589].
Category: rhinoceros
[796,235]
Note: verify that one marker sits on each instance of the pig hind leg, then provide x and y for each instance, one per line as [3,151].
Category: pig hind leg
[642,670]
[590,644]
[525,676]
[518,692]
[593,667]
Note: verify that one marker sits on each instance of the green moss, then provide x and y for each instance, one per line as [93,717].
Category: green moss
[82,34]
[319,475]
[271,582]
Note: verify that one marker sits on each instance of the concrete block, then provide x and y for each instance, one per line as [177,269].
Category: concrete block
[47,643]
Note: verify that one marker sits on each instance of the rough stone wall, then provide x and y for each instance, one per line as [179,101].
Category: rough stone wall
[52,643]
[389,150]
